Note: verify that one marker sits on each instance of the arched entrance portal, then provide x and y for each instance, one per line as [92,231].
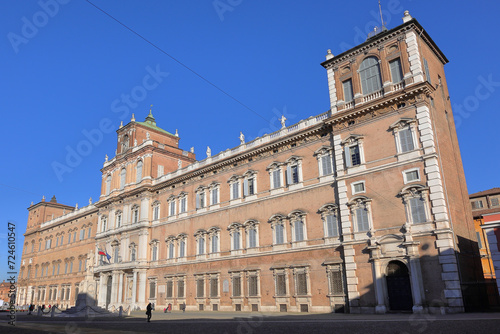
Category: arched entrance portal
[398,287]
[108,291]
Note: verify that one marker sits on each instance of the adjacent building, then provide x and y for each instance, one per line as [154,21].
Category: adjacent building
[486,212]
[363,208]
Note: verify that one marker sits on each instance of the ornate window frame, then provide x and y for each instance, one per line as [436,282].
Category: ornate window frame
[201,243]
[170,241]
[135,217]
[404,124]
[250,175]
[272,169]
[295,218]
[172,206]
[251,225]
[214,191]
[325,153]
[183,203]
[348,143]
[214,240]
[201,198]
[416,191]
[326,210]
[235,193]
[294,163]
[235,232]
[360,202]
[154,249]
[275,220]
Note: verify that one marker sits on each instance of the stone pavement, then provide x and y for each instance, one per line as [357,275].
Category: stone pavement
[256,322]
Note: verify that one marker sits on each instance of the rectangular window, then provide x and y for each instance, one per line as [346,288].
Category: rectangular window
[280,284]
[160,170]
[276,178]
[136,215]
[200,291]
[170,288]
[82,234]
[180,288]
[406,140]
[294,174]
[336,283]
[183,205]
[252,238]
[215,196]
[154,253]
[396,71]
[215,243]
[248,187]
[57,241]
[279,234]
[494,202]
[326,164]
[362,219]
[236,286]
[74,236]
[156,212]
[332,226]
[236,240]
[301,283]
[79,267]
[412,176]
[152,289]
[417,209]
[235,190]
[171,250]
[214,287]
[200,200]
[66,268]
[253,286]
[299,230]
[172,208]
[347,87]
[358,187]
[116,255]
[354,155]
[90,232]
[182,248]
[479,243]
[477,204]
[201,246]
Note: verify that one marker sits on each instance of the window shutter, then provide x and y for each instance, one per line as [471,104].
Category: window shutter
[245,187]
[347,157]
[288,175]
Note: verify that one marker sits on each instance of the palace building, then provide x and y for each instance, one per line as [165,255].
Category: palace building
[363,208]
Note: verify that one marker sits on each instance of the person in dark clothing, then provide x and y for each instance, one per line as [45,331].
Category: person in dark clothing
[148,312]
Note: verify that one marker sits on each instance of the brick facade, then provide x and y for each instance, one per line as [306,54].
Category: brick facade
[333,213]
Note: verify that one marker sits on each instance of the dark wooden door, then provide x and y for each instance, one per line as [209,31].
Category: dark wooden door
[399,287]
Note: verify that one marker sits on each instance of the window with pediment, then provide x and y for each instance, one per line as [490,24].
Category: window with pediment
[279,231]
[329,215]
[360,208]
[325,160]
[252,233]
[405,136]
[353,151]
[416,200]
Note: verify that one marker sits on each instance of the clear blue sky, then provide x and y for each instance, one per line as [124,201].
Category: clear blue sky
[65,69]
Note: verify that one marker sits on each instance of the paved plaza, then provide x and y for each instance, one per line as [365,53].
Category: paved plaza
[241,322]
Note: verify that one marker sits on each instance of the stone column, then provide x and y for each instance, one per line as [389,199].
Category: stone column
[120,287]
[379,288]
[142,289]
[114,286]
[134,289]
[416,285]
[102,291]
[144,213]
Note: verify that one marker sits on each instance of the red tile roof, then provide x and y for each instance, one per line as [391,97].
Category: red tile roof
[492,191]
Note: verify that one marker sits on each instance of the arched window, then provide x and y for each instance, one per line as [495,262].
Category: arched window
[139,171]
[369,75]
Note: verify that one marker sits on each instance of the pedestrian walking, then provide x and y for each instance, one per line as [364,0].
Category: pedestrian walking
[183,307]
[148,311]
[169,308]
